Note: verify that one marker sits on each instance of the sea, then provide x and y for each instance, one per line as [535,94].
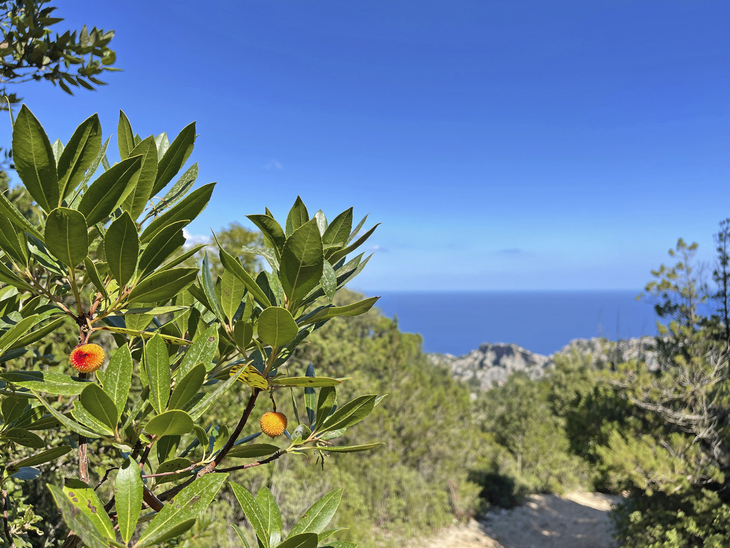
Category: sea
[539,321]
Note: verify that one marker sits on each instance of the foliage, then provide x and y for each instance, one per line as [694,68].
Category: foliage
[95,256]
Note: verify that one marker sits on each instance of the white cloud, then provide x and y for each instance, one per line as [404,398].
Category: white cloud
[191,240]
[273,165]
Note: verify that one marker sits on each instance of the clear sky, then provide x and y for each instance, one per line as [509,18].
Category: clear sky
[502,145]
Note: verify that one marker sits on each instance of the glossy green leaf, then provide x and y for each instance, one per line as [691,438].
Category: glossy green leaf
[175,157]
[181,187]
[88,420]
[302,540]
[351,413]
[66,236]
[172,465]
[233,265]
[302,261]
[310,396]
[170,423]
[157,366]
[337,255]
[326,400]
[206,282]
[277,326]
[242,334]
[187,505]
[350,448]
[187,210]
[111,188]
[11,242]
[163,143]
[125,136]
[252,450]
[48,382]
[316,518]
[34,161]
[23,437]
[100,405]
[273,233]
[68,423]
[78,521]
[241,535]
[328,281]
[252,512]
[85,499]
[313,382]
[78,155]
[128,494]
[9,211]
[187,387]
[145,334]
[338,230]
[163,245]
[202,351]
[93,274]
[43,457]
[327,313]
[232,290]
[164,285]
[298,215]
[270,514]
[139,196]
[202,406]
[118,377]
[121,247]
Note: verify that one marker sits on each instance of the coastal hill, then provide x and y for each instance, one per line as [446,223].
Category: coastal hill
[492,363]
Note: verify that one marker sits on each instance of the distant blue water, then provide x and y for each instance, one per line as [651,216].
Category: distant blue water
[540,321]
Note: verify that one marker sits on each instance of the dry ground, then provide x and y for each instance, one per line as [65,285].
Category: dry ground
[575,520]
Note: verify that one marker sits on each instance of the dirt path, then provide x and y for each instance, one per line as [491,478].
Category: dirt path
[576,520]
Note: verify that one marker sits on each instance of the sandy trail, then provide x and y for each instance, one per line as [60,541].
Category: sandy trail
[575,520]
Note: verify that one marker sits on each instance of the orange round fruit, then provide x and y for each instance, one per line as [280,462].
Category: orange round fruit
[273,424]
[87,358]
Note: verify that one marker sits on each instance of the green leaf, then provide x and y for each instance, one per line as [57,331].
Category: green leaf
[326,400]
[253,450]
[84,417]
[303,540]
[339,544]
[202,406]
[298,215]
[8,210]
[128,494]
[111,188]
[164,285]
[242,334]
[187,210]
[277,326]
[351,413]
[77,520]
[163,144]
[125,138]
[240,534]
[181,187]
[312,382]
[138,198]
[202,351]
[121,247]
[252,512]
[310,396]
[165,243]
[233,265]
[45,456]
[175,157]
[172,465]
[337,255]
[23,437]
[274,236]
[101,406]
[170,423]
[271,515]
[232,290]
[302,261]
[209,289]
[187,387]
[118,377]
[157,363]
[13,245]
[188,504]
[319,514]
[328,281]
[329,312]
[34,161]
[66,236]
[93,274]
[85,499]
[146,334]
[78,155]
[338,230]
[48,382]
[68,423]
[349,449]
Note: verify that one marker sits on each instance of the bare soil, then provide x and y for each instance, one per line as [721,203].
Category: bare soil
[575,520]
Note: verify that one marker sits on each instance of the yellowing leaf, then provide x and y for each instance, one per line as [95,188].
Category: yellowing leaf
[250,376]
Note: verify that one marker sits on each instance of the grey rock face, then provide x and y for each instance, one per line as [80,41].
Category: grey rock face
[491,364]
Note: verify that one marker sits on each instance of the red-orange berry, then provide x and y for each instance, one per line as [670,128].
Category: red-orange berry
[87,358]
[273,424]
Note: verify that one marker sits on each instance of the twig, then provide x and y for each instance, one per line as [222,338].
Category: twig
[106,476]
[5,516]
[252,464]
[188,469]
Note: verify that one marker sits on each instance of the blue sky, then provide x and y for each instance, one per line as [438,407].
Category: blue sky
[502,145]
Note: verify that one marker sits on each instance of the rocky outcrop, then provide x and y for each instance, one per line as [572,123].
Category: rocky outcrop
[491,364]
